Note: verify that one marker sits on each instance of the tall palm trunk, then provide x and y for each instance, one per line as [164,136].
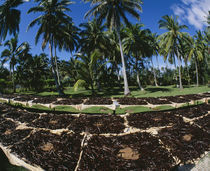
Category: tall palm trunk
[60,92]
[126,88]
[176,78]
[196,69]
[154,73]
[56,67]
[137,76]
[188,73]
[180,75]
[13,79]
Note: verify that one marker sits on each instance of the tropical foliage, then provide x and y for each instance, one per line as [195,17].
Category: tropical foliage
[106,53]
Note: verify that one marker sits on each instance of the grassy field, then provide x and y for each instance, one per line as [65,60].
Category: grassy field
[150,91]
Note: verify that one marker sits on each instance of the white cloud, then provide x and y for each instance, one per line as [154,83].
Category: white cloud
[192,11]
[178,10]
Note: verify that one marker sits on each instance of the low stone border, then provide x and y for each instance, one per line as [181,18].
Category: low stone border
[112,106]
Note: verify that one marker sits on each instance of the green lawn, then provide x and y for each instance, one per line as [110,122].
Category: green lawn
[163,107]
[150,91]
[132,109]
[66,109]
[97,110]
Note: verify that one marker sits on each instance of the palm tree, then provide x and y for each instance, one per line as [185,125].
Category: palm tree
[12,54]
[137,43]
[89,69]
[195,49]
[32,71]
[51,21]
[113,11]
[114,54]
[155,48]
[171,39]
[65,38]
[93,37]
[9,18]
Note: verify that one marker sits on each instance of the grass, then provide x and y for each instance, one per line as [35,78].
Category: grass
[40,107]
[66,109]
[132,109]
[99,110]
[164,107]
[150,91]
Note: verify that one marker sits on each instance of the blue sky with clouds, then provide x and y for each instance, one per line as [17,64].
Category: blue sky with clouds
[191,12]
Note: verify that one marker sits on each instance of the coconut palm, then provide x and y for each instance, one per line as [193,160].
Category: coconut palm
[137,43]
[9,18]
[89,69]
[170,40]
[51,21]
[155,48]
[113,11]
[195,48]
[114,54]
[93,37]
[12,53]
[65,38]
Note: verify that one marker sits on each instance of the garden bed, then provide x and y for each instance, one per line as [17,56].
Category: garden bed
[24,98]
[49,150]
[192,112]
[10,137]
[185,141]
[153,119]
[138,151]
[22,116]
[52,121]
[131,101]
[178,99]
[98,124]
[110,142]
[157,101]
[45,100]
[98,101]
[204,123]
[69,101]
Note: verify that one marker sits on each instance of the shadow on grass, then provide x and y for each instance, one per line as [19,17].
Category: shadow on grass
[156,89]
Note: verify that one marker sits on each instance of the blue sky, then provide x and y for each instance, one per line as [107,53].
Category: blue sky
[191,12]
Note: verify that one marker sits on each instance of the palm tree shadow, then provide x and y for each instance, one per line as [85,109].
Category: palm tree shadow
[156,89]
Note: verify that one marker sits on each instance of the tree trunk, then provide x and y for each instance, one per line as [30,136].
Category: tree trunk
[118,72]
[180,76]
[118,75]
[196,69]
[154,73]
[188,74]
[126,88]
[92,88]
[56,66]
[13,79]
[176,78]
[60,92]
[137,76]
